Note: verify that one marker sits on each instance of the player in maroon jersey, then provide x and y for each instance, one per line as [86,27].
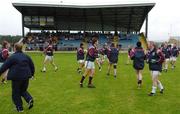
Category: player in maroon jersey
[4,54]
[91,56]
[48,51]
[80,57]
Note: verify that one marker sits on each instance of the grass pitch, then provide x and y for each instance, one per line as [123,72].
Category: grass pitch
[59,92]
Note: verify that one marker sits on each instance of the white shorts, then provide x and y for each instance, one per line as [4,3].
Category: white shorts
[89,65]
[155,73]
[173,58]
[113,63]
[80,61]
[98,59]
[48,58]
[105,56]
[167,60]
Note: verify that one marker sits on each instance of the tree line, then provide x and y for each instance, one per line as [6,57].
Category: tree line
[10,38]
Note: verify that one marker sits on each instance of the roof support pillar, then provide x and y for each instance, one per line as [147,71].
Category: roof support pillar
[145,15]
[23,26]
[146,28]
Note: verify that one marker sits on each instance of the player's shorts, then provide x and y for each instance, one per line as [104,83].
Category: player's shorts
[89,65]
[155,73]
[167,60]
[105,56]
[48,58]
[98,59]
[80,61]
[114,63]
[173,58]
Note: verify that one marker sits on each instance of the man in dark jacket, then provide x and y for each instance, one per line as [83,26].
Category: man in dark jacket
[138,56]
[21,68]
[113,59]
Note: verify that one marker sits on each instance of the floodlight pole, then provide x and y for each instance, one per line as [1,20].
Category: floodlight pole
[146,28]
[22,25]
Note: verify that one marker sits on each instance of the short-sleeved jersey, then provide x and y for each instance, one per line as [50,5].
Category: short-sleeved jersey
[138,56]
[155,60]
[4,54]
[92,54]
[49,50]
[166,51]
[113,55]
[174,52]
[80,54]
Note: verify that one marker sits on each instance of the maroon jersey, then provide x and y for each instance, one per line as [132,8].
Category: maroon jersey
[4,54]
[49,50]
[92,54]
[80,54]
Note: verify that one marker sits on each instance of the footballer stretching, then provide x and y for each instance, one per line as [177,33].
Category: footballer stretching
[91,56]
[49,57]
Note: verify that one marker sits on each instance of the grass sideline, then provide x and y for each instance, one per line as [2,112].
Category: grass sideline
[59,92]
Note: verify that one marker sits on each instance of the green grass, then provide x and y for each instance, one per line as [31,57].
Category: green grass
[59,92]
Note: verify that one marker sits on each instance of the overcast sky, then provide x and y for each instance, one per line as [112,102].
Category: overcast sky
[164,19]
